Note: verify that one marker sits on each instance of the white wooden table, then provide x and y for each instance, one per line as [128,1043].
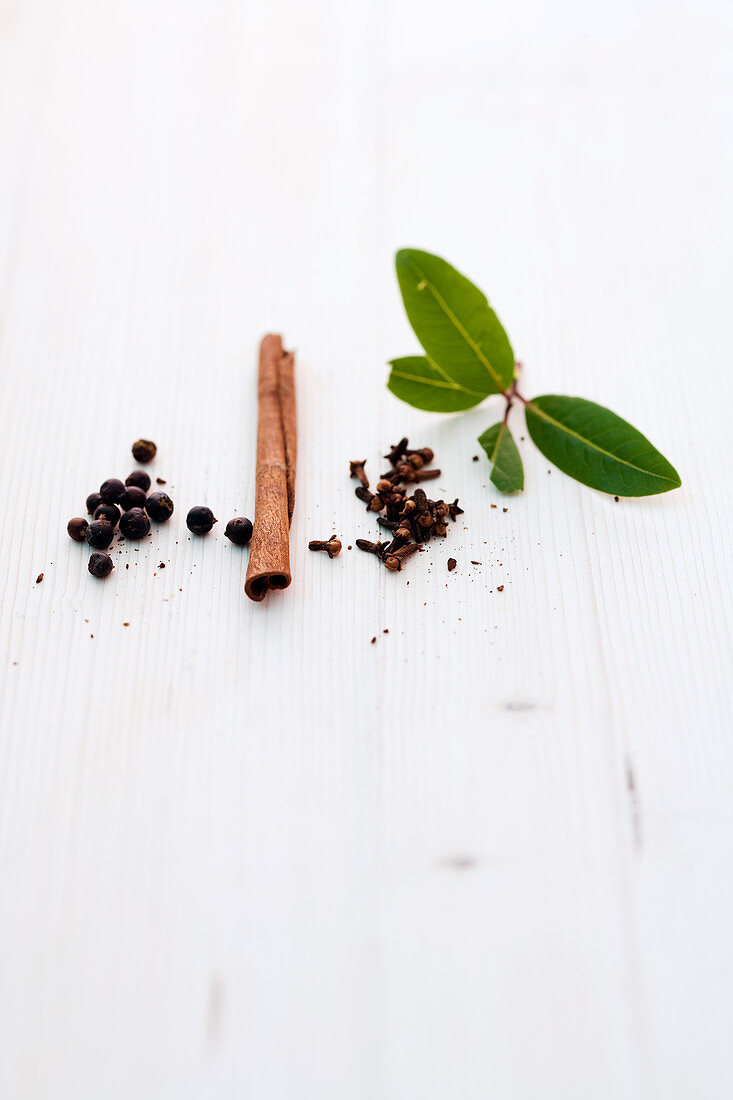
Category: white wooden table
[244,852]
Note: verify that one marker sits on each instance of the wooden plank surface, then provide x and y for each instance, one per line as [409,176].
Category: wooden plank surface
[244,852]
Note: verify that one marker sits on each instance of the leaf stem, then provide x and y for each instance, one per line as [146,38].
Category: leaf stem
[513,392]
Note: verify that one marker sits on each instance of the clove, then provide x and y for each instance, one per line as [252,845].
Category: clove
[356,469]
[332,547]
[365,494]
[397,451]
[454,510]
[377,548]
[411,520]
[394,560]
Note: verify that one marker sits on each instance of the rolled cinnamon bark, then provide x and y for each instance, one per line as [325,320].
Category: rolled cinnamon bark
[269,558]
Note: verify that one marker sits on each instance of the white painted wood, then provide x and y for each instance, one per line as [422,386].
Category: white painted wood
[244,852]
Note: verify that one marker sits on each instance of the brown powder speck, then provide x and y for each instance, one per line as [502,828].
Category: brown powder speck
[125,624]
[374,639]
[616,499]
[505,509]
[500,588]
[452,563]
[385,632]
[475,563]
[39,578]
[161,481]
[475,458]
[348,547]
[493,506]
[161,565]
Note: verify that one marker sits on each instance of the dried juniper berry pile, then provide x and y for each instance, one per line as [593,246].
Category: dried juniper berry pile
[128,509]
[410,520]
[122,505]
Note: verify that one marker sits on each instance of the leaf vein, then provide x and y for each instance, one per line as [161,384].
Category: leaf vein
[434,382]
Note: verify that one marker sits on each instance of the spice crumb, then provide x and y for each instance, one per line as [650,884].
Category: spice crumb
[475,458]
[475,563]
[160,481]
[616,499]
[500,588]
[452,563]
[505,509]
[39,578]
[385,632]
[493,506]
[374,639]
[161,565]
[125,624]
[348,547]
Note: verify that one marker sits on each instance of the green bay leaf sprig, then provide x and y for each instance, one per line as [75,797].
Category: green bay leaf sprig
[468,357]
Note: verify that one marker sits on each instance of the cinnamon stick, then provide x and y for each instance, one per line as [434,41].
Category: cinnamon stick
[269,559]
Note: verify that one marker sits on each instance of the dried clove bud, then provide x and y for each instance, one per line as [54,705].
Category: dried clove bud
[389,524]
[356,469]
[425,453]
[421,501]
[401,538]
[332,547]
[397,451]
[377,548]
[454,510]
[394,561]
